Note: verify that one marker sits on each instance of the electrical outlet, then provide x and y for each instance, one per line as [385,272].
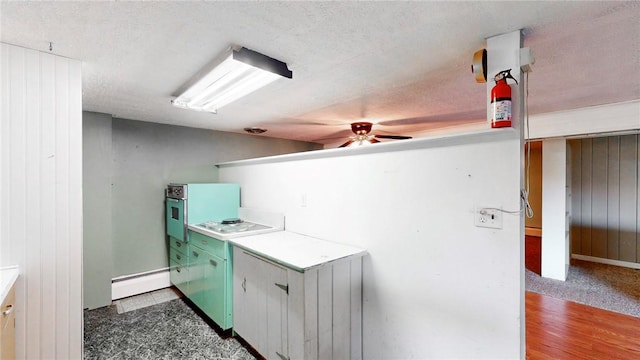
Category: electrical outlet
[488,217]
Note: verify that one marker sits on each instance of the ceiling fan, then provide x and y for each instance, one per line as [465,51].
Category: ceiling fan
[362,130]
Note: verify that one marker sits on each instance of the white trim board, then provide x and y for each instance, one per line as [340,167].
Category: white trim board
[435,141]
[134,284]
[606,261]
[610,118]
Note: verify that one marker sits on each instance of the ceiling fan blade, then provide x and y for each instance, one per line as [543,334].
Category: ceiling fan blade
[346,144]
[373,141]
[395,137]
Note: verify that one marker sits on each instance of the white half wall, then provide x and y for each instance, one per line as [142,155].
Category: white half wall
[555,242]
[41,197]
[435,285]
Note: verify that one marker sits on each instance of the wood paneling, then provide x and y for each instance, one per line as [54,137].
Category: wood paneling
[599,198]
[606,197]
[356,311]
[585,211]
[559,329]
[628,197]
[341,303]
[613,198]
[41,167]
[325,313]
[575,226]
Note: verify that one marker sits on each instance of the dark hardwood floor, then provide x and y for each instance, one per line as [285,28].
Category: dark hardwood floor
[533,253]
[559,329]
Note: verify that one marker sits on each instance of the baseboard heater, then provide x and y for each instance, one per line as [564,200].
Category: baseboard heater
[140,283]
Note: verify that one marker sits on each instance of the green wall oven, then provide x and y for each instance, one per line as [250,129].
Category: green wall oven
[197,203]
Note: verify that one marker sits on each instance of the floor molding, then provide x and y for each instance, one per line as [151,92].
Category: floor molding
[606,261]
[134,284]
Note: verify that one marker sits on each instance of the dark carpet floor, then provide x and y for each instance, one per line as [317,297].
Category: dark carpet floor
[171,330]
[603,286]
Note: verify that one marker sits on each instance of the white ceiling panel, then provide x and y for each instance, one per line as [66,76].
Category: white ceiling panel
[403,65]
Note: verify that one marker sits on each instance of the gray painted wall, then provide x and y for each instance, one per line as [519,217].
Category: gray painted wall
[605,193]
[96,173]
[144,158]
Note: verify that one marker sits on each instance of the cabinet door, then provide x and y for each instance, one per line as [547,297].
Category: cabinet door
[245,297]
[196,275]
[276,296]
[7,326]
[175,221]
[178,268]
[179,276]
[213,297]
[260,304]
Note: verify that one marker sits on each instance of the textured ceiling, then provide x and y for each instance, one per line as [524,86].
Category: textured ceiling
[402,65]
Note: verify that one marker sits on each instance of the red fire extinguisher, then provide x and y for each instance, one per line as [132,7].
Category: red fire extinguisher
[501,100]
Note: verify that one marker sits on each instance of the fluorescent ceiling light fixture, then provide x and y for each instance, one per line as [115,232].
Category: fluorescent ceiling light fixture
[235,74]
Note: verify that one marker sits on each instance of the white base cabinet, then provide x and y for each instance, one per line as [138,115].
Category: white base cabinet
[311,314]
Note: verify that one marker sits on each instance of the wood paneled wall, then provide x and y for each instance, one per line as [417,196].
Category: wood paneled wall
[41,197]
[533,169]
[605,201]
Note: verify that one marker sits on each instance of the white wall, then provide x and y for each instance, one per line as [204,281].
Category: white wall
[41,196]
[435,286]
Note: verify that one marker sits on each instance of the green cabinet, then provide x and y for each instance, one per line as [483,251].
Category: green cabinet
[207,286]
[206,277]
[179,265]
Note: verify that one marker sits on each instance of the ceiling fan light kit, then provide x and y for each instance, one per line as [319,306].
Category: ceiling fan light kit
[255,130]
[236,73]
[362,135]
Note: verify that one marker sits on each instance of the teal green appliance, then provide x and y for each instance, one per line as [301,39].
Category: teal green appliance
[193,204]
[196,203]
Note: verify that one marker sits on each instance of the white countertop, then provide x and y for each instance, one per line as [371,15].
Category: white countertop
[296,251]
[8,276]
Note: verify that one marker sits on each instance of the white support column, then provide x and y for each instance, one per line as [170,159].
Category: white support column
[555,249]
[503,52]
